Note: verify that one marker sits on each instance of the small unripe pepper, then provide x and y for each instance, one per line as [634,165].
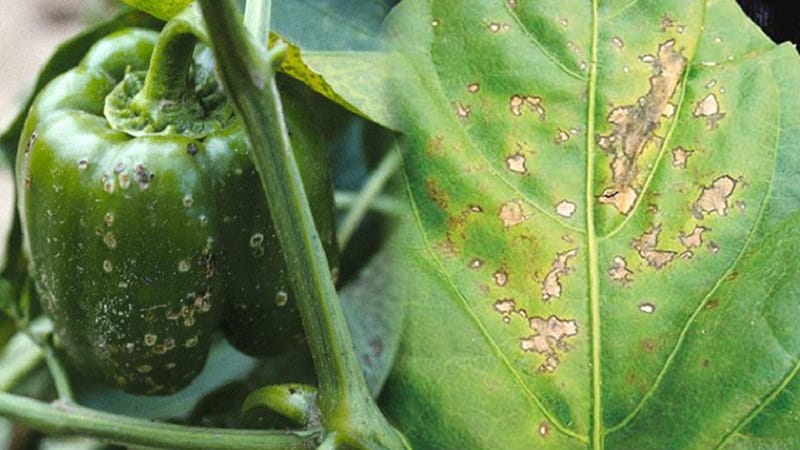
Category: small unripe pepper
[144,217]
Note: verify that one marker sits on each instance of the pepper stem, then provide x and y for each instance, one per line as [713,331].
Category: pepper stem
[165,99]
[168,76]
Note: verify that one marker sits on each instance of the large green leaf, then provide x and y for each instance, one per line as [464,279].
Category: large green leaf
[607,221]
[337,51]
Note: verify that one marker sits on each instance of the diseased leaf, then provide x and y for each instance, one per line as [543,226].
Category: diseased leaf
[607,217]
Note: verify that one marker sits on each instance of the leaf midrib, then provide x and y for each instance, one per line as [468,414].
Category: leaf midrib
[596,421]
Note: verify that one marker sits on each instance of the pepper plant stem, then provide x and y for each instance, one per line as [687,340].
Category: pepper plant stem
[67,418]
[373,187]
[257,15]
[168,76]
[247,74]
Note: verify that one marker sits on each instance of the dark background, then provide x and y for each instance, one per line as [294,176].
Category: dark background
[780,19]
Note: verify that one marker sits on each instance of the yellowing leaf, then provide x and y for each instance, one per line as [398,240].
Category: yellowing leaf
[606,217]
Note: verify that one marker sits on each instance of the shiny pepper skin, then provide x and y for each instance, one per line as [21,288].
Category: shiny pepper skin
[142,247]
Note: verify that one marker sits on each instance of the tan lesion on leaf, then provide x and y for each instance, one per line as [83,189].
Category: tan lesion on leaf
[498,27]
[693,239]
[619,271]
[436,194]
[646,245]
[473,88]
[562,136]
[511,213]
[551,285]
[517,163]
[548,339]
[544,429]
[505,306]
[714,198]
[566,208]
[518,103]
[500,278]
[634,126]
[680,156]
[709,109]
[448,248]
[462,111]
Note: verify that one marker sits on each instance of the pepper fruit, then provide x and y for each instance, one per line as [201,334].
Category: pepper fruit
[145,219]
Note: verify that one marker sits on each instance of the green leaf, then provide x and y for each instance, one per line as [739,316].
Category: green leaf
[374,308]
[337,50]
[607,209]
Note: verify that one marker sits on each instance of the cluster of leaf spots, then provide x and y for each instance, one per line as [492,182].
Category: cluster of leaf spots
[634,126]
[650,175]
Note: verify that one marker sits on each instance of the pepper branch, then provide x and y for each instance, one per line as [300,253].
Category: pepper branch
[349,414]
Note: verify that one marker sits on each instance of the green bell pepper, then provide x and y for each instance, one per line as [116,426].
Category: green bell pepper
[144,217]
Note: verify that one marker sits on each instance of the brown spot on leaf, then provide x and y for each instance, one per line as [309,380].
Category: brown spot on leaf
[437,194]
[647,308]
[500,278]
[517,163]
[511,213]
[473,88]
[694,239]
[551,286]
[505,306]
[462,111]
[634,126]
[544,429]
[549,338]
[679,157]
[476,263]
[619,271]
[448,248]
[517,102]
[497,27]
[715,197]
[709,109]
[669,110]
[623,198]
[561,137]
[566,208]
[646,246]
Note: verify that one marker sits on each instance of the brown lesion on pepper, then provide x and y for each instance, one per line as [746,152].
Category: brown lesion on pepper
[551,286]
[619,271]
[436,194]
[693,239]
[709,109]
[646,245]
[634,126]
[680,156]
[517,163]
[511,213]
[517,103]
[29,144]
[549,339]
[714,198]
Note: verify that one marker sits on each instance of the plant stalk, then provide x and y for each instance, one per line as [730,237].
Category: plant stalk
[67,418]
[247,73]
[373,187]
[168,75]
[257,16]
